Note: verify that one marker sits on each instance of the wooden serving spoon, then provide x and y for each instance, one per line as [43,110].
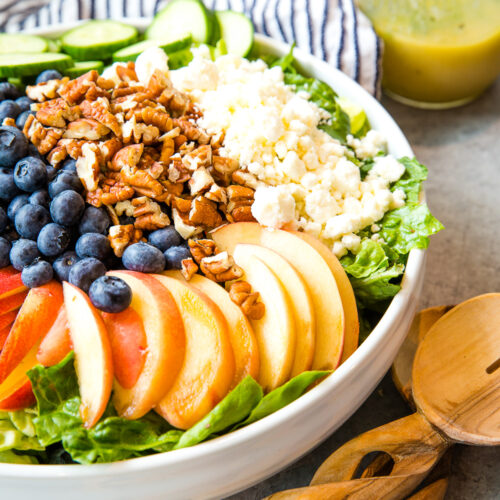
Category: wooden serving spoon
[456,389]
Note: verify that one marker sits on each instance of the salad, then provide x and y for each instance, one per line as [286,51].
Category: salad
[192,234]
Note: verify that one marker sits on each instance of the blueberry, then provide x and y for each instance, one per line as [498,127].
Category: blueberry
[4,220]
[65,181]
[9,109]
[13,146]
[53,240]
[62,265]
[48,74]
[93,245]
[69,165]
[24,103]
[33,151]
[175,255]
[94,220]
[8,188]
[40,197]
[38,273]
[51,172]
[84,272]
[165,238]
[23,253]
[144,258]
[67,208]
[30,219]
[30,174]
[9,90]
[5,246]
[22,117]
[110,294]
[19,201]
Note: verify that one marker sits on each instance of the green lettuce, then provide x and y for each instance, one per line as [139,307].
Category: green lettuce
[17,431]
[11,457]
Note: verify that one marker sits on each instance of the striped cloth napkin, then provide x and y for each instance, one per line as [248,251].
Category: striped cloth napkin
[333,30]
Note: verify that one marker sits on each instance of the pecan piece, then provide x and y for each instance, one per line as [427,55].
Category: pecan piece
[220,267]
[139,132]
[120,237]
[185,229]
[55,112]
[57,156]
[9,122]
[100,110]
[142,181]
[158,118]
[85,128]
[74,91]
[45,139]
[200,181]
[46,90]
[204,213]
[128,156]
[217,194]
[201,248]
[88,166]
[241,294]
[188,268]
[148,214]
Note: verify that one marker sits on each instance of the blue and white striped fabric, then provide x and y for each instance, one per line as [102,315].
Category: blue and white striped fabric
[333,30]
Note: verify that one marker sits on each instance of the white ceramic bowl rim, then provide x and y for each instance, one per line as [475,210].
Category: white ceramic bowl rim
[237,439]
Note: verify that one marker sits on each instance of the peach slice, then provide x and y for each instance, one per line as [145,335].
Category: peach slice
[4,333]
[56,345]
[208,368]
[7,319]
[34,320]
[10,282]
[304,319]
[21,398]
[12,302]
[351,336]
[128,344]
[241,335]
[93,361]
[164,349]
[315,273]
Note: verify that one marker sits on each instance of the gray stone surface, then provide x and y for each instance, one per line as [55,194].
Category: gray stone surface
[461,147]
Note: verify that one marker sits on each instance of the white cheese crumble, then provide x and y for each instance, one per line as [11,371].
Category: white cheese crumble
[273,133]
[150,60]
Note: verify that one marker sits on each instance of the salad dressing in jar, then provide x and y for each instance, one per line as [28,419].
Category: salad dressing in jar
[437,53]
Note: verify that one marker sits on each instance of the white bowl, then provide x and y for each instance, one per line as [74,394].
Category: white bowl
[235,461]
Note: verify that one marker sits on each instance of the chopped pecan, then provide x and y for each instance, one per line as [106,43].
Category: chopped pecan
[45,139]
[126,73]
[239,208]
[57,156]
[185,229]
[109,148]
[151,116]
[9,122]
[204,212]
[105,83]
[177,172]
[241,294]
[220,267]
[74,91]
[217,194]
[85,128]
[111,193]
[201,248]
[200,181]
[148,214]
[72,146]
[125,207]
[181,204]
[191,131]
[245,179]
[55,112]
[142,181]
[112,214]
[128,156]
[158,82]
[100,110]
[174,101]
[172,190]
[88,166]
[199,157]
[188,268]
[46,90]
[139,132]
[120,237]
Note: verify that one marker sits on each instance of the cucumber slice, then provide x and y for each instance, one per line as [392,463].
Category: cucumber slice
[131,52]
[18,65]
[236,31]
[82,67]
[97,39]
[13,43]
[54,45]
[180,18]
[179,59]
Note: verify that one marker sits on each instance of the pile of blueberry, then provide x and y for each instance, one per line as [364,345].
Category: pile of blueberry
[48,231]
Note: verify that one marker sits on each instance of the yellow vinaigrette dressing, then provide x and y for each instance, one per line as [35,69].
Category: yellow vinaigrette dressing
[439,53]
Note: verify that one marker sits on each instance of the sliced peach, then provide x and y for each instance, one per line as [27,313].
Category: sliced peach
[93,361]
[208,368]
[12,302]
[128,345]
[315,273]
[4,333]
[351,336]
[303,310]
[21,398]
[34,320]
[241,335]
[10,282]
[275,331]
[56,345]
[7,319]
[165,345]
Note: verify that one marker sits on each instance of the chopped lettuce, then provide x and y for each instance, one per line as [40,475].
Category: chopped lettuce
[11,457]
[17,431]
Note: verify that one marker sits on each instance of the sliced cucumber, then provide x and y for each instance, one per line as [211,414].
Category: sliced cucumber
[180,59]
[18,65]
[54,45]
[13,43]
[131,52]
[82,67]
[236,30]
[97,39]
[180,18]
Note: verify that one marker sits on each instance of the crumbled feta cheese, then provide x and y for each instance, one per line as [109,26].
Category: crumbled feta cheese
[370,145]
[273,206]
[150,60]
[387,168]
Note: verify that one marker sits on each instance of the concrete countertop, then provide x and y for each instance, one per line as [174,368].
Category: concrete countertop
[461,148]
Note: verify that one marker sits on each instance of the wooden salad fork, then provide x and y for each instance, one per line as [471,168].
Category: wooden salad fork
[455,385]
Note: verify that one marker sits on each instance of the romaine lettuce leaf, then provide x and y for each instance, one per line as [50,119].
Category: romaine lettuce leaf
[411,181]
[11,457]
[17,431]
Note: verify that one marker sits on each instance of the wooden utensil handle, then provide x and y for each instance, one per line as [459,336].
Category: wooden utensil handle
[411,442]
